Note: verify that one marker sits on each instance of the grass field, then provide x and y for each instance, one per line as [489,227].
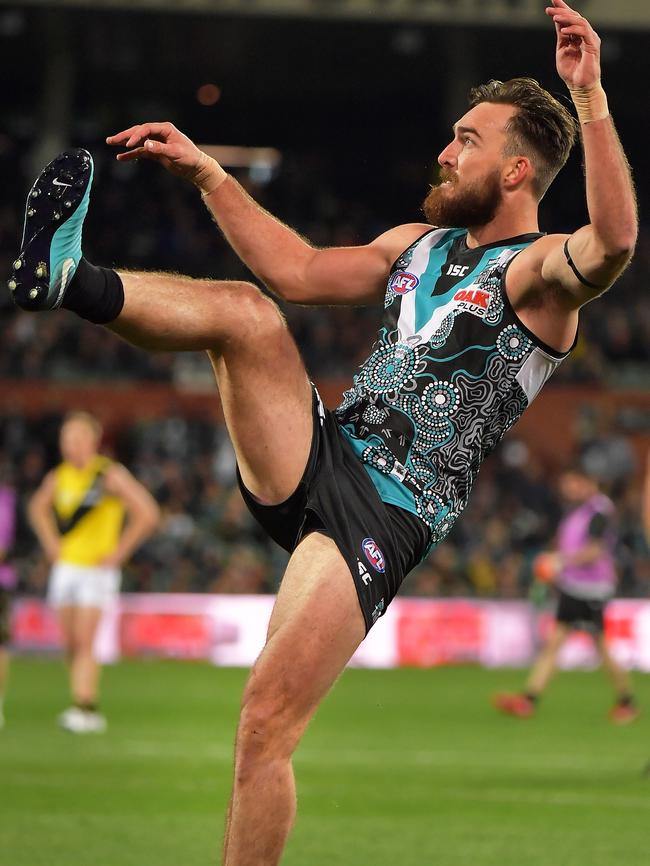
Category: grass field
[400,767]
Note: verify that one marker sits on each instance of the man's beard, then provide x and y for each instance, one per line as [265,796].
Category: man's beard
[474,205]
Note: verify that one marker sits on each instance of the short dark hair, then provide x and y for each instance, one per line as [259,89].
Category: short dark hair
[541,127]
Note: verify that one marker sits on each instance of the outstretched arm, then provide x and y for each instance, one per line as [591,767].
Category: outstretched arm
[288,264]
[601,250]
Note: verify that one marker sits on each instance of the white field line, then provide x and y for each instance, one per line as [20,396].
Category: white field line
[559,799]
[396,758]
[367,758]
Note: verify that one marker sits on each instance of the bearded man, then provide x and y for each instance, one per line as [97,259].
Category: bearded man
[480,309]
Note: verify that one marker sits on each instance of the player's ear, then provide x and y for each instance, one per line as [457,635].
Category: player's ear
[516,170]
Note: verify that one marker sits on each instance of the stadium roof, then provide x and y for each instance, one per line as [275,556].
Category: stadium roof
[517,13]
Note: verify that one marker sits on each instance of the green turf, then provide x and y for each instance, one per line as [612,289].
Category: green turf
[400,768]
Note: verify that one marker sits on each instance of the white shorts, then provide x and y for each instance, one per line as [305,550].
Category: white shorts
[82,585]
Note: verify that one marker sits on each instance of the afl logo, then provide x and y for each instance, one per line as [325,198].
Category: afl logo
[401,282]
[373,554]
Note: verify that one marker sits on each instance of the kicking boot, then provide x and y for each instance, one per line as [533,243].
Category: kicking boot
[624,712]
[51,247]
[514,704]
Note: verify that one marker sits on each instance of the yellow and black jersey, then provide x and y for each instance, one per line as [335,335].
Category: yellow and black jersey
[90,520]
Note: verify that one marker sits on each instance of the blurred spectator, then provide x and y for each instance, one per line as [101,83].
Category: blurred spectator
[645,502]
[605,453]
[208,541]
[159,223]
[7,574]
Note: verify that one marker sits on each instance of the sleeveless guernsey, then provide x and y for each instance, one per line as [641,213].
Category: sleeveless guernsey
[452,370]
[90,520]
[594,581]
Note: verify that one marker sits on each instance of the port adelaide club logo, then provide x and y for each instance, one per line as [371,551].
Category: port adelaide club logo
[373,554]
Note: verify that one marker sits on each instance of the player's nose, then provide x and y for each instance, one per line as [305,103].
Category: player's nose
[448,156]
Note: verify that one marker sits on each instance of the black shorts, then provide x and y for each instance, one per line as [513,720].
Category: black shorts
[5,616]
[380,543]
[581,613]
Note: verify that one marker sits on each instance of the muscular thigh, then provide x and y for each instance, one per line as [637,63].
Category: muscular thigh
[263,383]
[315,628]
[267,404]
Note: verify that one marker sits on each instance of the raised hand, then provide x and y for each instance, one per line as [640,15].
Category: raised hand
[165,144]
[578,47]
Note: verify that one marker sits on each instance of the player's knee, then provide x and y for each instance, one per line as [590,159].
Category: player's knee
[260,316]
[269,727]
[70,644]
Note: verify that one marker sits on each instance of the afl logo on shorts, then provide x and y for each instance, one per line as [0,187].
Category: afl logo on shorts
[373,554]
[401,282]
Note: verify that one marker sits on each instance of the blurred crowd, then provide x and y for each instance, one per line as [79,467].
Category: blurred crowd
[143,218]
[208,542]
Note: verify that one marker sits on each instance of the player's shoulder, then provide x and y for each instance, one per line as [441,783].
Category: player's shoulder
[602,504]
[541,247]
[119,481]
[54,475]
[397,239]
[525,270]
[392,243]
[62,473]
[102,463]
[114,474]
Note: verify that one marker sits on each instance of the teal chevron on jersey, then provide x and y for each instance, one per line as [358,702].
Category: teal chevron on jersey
[432,273]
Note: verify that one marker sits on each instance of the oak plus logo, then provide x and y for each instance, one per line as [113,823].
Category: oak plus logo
[473,299]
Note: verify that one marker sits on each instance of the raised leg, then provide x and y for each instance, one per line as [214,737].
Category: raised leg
[264,387]
[265,390]
[316,626]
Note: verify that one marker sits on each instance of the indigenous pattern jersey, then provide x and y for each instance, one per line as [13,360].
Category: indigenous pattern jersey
[452,370]
[90,520]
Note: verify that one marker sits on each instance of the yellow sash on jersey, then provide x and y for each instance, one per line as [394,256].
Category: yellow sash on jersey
[90,519]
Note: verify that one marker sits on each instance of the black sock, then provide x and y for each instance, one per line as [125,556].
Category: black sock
[626,700]
[532,697]
[88,706]
[95,294]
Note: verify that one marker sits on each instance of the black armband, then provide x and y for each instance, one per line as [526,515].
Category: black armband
[571,264]
[598,525]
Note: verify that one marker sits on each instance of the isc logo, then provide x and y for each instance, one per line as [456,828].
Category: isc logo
[457,270]
[402,282]
[373,554]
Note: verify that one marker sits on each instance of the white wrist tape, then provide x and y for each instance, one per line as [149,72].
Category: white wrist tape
[590,103]
[209,176]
